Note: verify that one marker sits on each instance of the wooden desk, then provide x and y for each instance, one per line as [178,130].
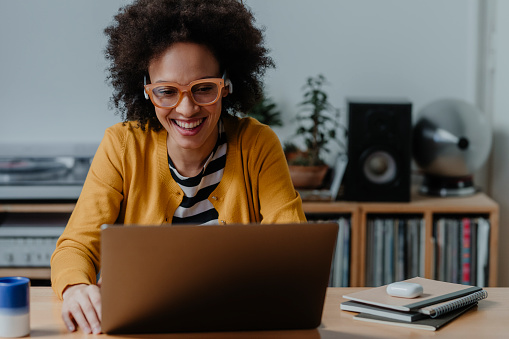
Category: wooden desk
[489,320]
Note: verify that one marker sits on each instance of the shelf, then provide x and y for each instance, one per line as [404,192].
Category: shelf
[22,207]
[358,212]
[425,206]
[39,273]
[328,207]
[478,203]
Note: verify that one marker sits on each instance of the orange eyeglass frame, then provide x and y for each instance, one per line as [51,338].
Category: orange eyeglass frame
[220,82]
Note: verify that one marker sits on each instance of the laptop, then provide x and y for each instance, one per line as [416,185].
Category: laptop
[165,279]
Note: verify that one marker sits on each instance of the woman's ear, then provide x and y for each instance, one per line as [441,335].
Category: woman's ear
[226,91]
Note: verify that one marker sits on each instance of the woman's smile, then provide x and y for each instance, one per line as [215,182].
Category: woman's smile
[188,127]
[188,124]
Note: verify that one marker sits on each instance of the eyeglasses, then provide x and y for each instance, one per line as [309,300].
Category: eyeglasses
[203,92]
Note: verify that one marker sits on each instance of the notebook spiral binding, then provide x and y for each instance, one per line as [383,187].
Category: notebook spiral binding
[460,302]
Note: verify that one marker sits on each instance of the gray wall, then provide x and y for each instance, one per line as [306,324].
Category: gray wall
[52,86]
[52,67]
[420,49]
[499,165]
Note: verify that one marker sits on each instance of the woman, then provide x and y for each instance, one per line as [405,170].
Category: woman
[180,69]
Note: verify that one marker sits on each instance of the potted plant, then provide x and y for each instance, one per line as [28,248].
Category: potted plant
[318,123]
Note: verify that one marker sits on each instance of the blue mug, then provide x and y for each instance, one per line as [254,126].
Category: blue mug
[14,307]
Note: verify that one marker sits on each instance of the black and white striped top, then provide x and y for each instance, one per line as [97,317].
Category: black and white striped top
[195,207]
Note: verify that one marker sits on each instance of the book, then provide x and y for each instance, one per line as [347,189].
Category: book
[400,243]
[388,249]
[346,254]
[369,252]
[473,252]
[433,311]
[483,238]
[433,256]
[354,306]
[415,247]
[431,324]
[453,239]
[337,265]
[422,246]
[378,252]
[465,253]
[434,292]
[409,249]
[440,258]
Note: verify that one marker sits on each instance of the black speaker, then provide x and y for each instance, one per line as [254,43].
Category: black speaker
[379,150]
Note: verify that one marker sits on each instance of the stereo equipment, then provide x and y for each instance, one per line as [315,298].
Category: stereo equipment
[451,140]
[379,150]
[29,239]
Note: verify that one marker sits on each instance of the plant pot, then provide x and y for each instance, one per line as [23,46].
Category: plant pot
[308,176]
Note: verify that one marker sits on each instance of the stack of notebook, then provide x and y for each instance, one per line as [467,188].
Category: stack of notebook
[440,303]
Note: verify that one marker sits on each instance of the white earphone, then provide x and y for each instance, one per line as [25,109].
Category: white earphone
[144,83]
[228,83]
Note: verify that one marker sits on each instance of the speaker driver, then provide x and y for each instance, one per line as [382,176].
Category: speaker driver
[380,167]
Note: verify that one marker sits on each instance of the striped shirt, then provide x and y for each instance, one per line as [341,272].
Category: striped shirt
[195,207]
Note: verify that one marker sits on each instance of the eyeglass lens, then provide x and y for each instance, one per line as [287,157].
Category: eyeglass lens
[203,93]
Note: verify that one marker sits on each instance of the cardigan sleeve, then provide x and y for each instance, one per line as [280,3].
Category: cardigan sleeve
[278,200]
[76,258]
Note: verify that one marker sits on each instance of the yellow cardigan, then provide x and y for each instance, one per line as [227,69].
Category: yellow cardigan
[129,182]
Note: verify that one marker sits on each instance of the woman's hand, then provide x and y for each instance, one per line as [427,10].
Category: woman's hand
[82,307]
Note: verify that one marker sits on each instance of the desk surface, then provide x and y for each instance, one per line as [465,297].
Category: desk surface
[489,320]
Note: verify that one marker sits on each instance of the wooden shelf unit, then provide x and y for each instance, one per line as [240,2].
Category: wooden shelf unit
[428,207]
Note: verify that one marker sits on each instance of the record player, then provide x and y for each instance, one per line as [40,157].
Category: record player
[38,172]
[46,171]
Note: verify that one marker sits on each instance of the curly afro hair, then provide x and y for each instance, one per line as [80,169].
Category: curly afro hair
[142,31]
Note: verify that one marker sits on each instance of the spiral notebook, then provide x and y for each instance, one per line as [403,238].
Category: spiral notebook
[354,306]
[438,297]
[430,324]
[438,309]
[428,312]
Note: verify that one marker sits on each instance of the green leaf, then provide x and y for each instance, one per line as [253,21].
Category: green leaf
[317,119]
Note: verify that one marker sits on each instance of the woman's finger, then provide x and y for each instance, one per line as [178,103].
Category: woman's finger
[68,321]
[82,307]
[92,308]
[77,314]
